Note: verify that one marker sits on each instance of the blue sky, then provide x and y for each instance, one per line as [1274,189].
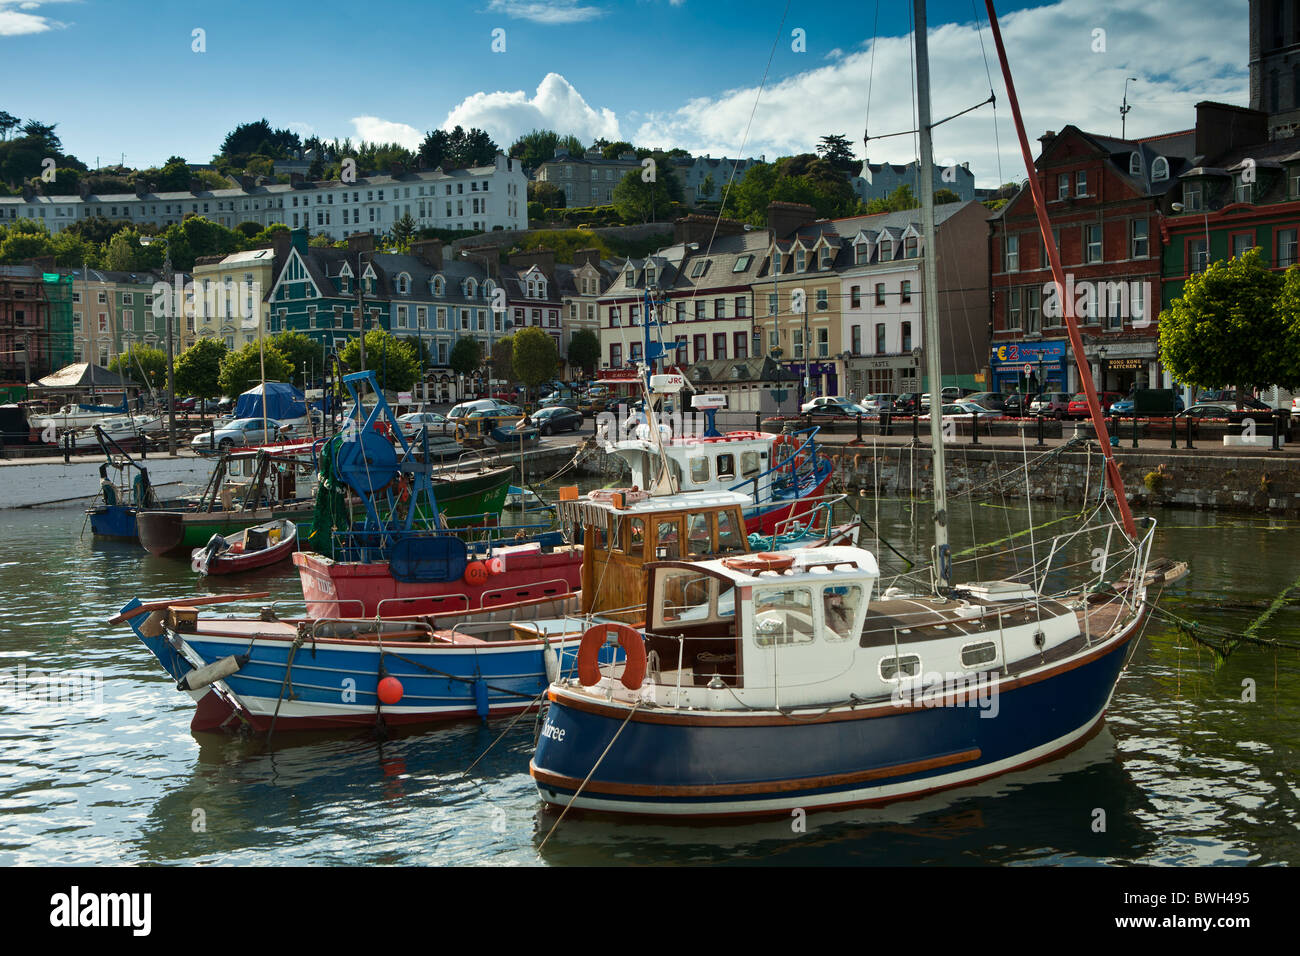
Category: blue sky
[657,72]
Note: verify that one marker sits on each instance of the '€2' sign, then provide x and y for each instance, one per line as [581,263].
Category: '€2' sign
[1007,353]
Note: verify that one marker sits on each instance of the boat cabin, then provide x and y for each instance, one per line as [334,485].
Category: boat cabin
[623,531]
[705,464]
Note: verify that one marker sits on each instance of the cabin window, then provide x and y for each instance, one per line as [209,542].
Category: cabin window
[668,546]
[601,532]
[699,537]
[977,655]
[726,466]
[699,470]
[840,609]
[893,668]
[783,616]
[636,536]
[729,535]
[687,597]
[748,464]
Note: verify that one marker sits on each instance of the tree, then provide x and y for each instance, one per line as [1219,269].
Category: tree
[458,149]
[835,149]
[198,369]
[393,360]
[466,356]
[43,131]
[8,123]
[942,196]
[142,364]
[299,350]
[537,146]
[706,188]
[241,370]
[614,150]
[641,201]
[534,356]
[403,232]
[804,179]
[584,350]
[1226,330]
[900,199]
[503,351]
[548,194]
[124,252]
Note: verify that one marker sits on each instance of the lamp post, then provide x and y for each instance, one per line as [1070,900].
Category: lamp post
[1101,366]
[171,361]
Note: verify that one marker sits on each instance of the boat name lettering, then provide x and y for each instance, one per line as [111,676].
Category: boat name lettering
[555,733]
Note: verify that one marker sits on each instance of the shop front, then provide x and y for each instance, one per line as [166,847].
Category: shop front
[823,378]
[886,374]
[1031,367]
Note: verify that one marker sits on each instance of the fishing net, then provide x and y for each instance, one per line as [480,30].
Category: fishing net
[331,513]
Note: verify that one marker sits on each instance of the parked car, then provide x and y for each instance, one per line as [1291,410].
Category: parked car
[557,418]
[879,403]
[821,400]
[952,393]
[1013,404]
[961,409]
[844,409]
[1051,404]
[1125,406]
[993,401]
[240,433]
[411,423]
[908,402]
[1079,404]
[464,409]
[1208,410]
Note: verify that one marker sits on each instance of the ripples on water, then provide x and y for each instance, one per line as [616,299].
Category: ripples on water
[1185,771]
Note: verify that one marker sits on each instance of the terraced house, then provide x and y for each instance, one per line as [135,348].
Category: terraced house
[231,292]
[480,198]
[35,322]
[112,311]
[622,306]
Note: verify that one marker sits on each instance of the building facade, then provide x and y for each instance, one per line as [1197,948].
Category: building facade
[878,180]
[481,198]
[586,180]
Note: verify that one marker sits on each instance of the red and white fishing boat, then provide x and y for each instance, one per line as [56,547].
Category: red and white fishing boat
[257,547]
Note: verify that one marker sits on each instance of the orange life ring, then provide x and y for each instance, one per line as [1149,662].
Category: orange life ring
[761,561]
[633,644]
[476,573]
[786,441]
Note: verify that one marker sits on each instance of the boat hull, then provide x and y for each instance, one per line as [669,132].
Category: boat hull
[675,763]
[768,517]
[116,522]
[231,563]
[350,589]
[178,532]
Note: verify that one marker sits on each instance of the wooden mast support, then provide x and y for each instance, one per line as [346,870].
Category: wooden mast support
[1058,275]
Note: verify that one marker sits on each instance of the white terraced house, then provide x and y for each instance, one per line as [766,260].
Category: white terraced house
[479,198]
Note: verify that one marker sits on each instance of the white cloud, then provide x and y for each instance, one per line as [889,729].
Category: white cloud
[376,130]
[1058,77]
[14,23]
[556,105]
[546,11]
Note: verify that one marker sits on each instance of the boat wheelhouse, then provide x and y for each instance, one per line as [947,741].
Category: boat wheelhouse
[778,473]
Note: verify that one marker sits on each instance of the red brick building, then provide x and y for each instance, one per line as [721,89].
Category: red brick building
[1104,198]
[25,326]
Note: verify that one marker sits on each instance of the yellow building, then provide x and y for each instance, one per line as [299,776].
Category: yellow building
[229,297]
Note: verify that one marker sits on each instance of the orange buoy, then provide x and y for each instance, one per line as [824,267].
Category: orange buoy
[390,690]
[596,637]
[476,573]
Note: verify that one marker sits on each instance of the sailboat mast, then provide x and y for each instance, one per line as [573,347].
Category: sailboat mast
[1058,276]
[942,560]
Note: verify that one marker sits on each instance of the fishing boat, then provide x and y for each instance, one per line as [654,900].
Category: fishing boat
[246,488]
[124,491]
[123,429]
[257,547]
[793,681]
[525,500]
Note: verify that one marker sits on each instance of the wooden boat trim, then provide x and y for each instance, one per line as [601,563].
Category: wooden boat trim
[186,602]
[760,787]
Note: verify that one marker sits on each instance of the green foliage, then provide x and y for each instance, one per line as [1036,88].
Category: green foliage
[942,196]
[614,150]
[534,357]
[466,356]
[298,350]
[537,146]
[241,370]
[584,350]
[457,149]
[198,369]
[535,212]
[143,365]
[198,236]
[393,360]
[641,201]
[835,149]
[804,179]
[1235,324]
[20,241]
[124,253]
[259,138]
[548,194]
[900,199]
[503,359]
[564,242]
[403,232]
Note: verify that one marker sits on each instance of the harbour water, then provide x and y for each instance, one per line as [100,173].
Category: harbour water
[1185,770]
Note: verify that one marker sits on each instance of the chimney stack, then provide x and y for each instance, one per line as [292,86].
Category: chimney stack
[428,251]
[699,228]
[785,218]
[281,240]
[586,257]
[361,242]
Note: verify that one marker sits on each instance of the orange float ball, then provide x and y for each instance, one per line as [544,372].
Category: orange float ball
[390,690]
[476,572]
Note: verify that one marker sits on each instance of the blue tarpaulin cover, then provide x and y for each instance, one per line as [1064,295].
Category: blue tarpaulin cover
[283,402]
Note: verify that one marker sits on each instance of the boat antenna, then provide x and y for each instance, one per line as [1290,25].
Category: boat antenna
[1058,275]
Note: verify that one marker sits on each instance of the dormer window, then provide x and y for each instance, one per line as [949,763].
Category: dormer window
[1159,169]
[1193,197]
[1245,189]
[345,284]
[471,288]
[800,260]
[439,285]
[776,263]
[650,275]
[862,253]
[827,257]
[1135,164]
[488,288]
[910,247]
[886,250]
[404,284]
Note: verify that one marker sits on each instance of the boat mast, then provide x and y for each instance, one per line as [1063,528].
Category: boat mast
[1058,276]
[941,554]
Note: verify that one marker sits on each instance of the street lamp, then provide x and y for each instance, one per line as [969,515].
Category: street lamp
[1101,354]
